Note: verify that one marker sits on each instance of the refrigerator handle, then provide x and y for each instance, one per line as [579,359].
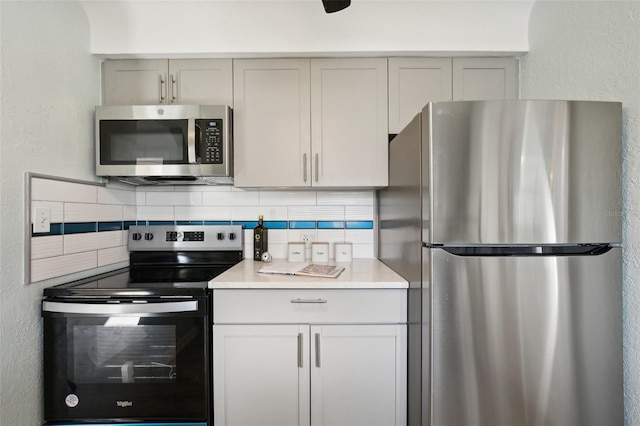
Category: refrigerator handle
[527,250]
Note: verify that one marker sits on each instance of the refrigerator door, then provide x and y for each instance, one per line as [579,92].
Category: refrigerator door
[524,340]
[523,172]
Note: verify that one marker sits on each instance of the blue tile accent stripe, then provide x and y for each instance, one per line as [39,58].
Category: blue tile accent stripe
[359,224]
[110,226]
[325,224]
[84,227]
[79,227]
[302,224]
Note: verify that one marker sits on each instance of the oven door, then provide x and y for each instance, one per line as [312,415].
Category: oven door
[141,360]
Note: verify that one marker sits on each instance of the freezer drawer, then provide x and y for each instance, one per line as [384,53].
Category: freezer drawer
[523,340]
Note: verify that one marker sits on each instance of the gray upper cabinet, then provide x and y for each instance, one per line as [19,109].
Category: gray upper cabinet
[412,83]
[167,81]
[415,81]
[310,122]
[484,79]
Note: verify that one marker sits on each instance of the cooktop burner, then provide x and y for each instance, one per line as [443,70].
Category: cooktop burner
[164,261]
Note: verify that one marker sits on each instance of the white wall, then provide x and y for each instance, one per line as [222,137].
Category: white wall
[591,51]
[294,27]
[49,84]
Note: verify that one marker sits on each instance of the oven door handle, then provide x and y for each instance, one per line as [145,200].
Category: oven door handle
[119,308]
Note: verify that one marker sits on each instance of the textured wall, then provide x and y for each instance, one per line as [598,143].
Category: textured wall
[49,84]
[255,27]
[591,51]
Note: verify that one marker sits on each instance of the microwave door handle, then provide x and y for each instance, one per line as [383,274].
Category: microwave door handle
[191,140]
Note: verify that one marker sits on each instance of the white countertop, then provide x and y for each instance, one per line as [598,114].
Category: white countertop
[361,273]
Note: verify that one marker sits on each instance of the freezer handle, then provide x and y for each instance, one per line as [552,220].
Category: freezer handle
[526,250]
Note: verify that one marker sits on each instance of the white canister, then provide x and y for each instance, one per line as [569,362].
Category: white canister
[319,252]
[296,252]
[343,252]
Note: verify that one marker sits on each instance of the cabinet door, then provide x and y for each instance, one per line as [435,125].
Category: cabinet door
[201,81]
[484,79]
[134,82]
[358,375]
[261,375]
[349,122]
[271,123]
[412,83]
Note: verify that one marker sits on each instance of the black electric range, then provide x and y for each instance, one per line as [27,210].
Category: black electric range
[134,345]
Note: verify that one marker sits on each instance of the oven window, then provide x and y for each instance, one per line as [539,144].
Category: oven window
[157,363]
[124,354]
[143,141]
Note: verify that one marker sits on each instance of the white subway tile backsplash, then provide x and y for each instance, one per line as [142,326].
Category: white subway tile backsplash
[116,196]
[51,267]
[252,213]
[77,212]
[113,255]
[76,243]
[174,199]
[359,236]
[202,213]
[155,213]
[358,212]
[278,236]
[363,251]
[141,198]
[50,246]
[129,213]
[56,190]
[346,198]
[287,198]
[75,203]
[231,198]
[316,213]
[158,188]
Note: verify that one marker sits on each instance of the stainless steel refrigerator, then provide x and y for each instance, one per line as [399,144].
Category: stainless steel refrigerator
[505,217]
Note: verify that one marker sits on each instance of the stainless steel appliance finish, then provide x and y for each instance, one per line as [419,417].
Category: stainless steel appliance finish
[165,144]
[505,218]
[133,346]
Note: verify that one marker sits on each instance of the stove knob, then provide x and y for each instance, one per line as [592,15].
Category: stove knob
[148,236]
[136,236]
[232,235]
[220,236]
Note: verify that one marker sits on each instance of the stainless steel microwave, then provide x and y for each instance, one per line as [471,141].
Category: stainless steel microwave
[165,144]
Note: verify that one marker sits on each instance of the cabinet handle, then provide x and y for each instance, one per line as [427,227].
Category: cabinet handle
[317,336]
[300,365]
[162,88]
[304,166]
[172,81]
[191,141]
[316,167]
[318,300]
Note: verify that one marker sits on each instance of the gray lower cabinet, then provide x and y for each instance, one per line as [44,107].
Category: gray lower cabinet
[298,367]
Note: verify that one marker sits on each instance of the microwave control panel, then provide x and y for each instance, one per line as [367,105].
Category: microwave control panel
[211,143]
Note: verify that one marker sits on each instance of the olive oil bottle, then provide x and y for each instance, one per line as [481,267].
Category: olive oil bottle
[260,239]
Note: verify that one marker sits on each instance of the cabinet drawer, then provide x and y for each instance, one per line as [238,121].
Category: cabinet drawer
[231,306]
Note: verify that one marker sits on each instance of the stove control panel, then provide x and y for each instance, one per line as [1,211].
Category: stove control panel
[185,237]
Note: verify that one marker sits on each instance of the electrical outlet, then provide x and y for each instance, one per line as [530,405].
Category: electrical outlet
[308,239]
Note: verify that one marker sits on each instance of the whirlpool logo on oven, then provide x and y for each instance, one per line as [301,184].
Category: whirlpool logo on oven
[124,403]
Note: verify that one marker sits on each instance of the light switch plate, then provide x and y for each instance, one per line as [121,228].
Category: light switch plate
[42,220]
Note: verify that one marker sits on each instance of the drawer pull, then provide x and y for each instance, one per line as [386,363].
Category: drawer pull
[298,300]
